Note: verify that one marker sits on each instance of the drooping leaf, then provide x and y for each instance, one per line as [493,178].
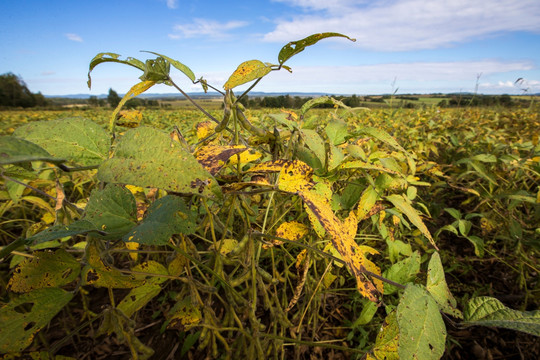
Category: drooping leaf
[135,91]
[79,140]
[401,203]
[46,269]
[436,285]
[246,72]
[166,216]
[178,65]
[295,47]
[149,158]
[112,57]
[15,151]
[488,311]
[25,315]
[156,70]
[112,210]
[422,332]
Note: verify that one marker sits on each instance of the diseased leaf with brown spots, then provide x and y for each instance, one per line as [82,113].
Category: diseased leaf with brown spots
[46,269]
[184,315]
[246,72]
[269,166]
[214,157]
[292,230]
[204,129]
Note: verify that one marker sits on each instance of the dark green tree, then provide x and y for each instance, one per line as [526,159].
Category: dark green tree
[15,93]
[113,99]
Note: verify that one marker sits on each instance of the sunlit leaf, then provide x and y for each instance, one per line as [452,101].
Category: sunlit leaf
[149,158]
[386,344]
[178,65]
[314,141]
[214,157]
[246,72]
[135,90]
[75,139]
[295,47]
[112,57]
[401,203]
[320,101]
[14,151]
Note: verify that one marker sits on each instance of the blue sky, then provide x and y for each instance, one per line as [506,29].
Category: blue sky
[414,46]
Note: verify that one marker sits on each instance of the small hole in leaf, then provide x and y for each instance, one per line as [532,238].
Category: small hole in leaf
[29,325]
[23,308]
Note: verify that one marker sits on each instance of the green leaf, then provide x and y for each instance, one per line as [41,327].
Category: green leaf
[156,70]
[386,345]
[337,132]
[25,315]
[487,158]
[79,227]
[402,204]
[422,332]
[436,285]
[478,244]
[335,157]
[167,216]
[75,139]
[137,298]
[402,272]
[321,100]
[148,157]
[456,214]
[178,65]
[246,72]
[488,311]
[295,47]
[46,269]
[14,150]
[112,210]
[314,141]
[112,57]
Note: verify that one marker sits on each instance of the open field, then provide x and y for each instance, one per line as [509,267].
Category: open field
[259,269]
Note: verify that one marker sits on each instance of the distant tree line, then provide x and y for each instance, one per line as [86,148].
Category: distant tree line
[113,99]
[481,100]
[14,93]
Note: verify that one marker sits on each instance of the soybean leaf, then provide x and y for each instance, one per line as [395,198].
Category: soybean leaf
[337,132]
[246,72]
[135,90]
[422,332]
[321,100]
[314,141]
[112,57]
[166,216]
[76,139]
[157,70]
[183,316]
[488,311]
[214,157]
[137,298]
[401,203]
[112,209]
[295,47]
[402,272]
[46,269]
[148,157]
[25,315]
[14,151]
[79,227]
[436,285]
[178,65]
[386,344]
[98,274]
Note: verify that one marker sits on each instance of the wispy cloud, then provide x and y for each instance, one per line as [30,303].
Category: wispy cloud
[74,37]
[172,4]
[205,28]
[402,25]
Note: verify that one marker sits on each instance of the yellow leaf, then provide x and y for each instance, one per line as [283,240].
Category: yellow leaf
[245,157]
[135,90]
[133,246]
[214,157]
[246,72]
[292,230]
[204,129]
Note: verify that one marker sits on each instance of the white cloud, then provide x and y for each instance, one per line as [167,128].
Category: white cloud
[172,4]
[402,25]
[74,37]
[206,28]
